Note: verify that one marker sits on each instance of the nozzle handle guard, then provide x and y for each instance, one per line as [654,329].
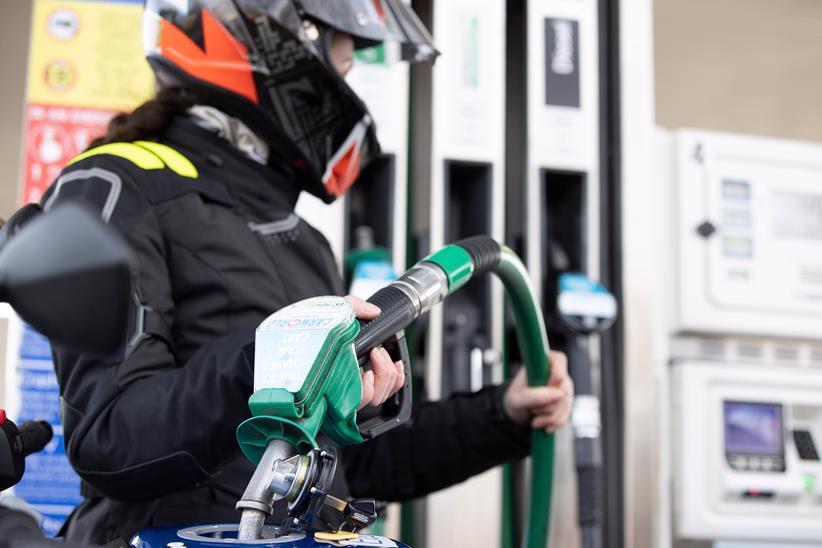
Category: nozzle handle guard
[387,330]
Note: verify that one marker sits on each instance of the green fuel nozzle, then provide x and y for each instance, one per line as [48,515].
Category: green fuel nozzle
[306,377]
[307,380]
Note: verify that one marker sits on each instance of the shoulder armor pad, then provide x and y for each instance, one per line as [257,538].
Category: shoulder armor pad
[100,188]
[100,177]
[145,155]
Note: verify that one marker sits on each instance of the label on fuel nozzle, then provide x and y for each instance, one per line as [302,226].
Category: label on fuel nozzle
[289,341]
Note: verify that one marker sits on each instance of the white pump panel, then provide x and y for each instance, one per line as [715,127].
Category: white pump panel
[468,128]
[747,452]
[745,415]
[563,138]
[468,125]
[563,113]
[750,234]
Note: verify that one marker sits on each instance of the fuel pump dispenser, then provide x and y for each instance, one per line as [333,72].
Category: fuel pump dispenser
[467,165]
[745,350]
[462,148]
[553,172]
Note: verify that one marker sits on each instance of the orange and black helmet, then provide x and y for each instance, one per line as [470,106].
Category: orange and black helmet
[266,62]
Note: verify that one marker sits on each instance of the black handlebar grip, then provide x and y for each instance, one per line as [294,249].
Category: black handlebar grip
[397,314]
[484,251]
[34,436]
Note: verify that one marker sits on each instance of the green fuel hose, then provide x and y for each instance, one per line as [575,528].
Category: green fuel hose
[533,343]
[487,255]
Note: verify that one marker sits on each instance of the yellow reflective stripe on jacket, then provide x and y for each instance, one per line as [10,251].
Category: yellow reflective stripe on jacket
[137,155]
[175,161]
[145,155]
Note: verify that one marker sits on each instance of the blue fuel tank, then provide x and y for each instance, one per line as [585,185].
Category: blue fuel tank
[225,536]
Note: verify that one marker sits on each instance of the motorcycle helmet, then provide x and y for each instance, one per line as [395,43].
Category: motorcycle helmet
[266,62]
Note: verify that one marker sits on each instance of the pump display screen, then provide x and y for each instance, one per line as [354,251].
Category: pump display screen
[797,216]
[753,428]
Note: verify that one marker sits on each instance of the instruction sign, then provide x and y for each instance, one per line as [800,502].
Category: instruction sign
[85,65]
[562,63]
[49,484]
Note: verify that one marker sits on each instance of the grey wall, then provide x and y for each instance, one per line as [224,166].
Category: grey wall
[15,20]
[745,66]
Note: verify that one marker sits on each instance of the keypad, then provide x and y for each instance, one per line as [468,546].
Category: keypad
[756,463]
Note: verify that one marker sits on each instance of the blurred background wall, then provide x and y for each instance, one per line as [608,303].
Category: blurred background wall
[15,19]
[744,66]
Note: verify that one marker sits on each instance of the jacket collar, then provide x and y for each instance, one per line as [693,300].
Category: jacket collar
[266,190]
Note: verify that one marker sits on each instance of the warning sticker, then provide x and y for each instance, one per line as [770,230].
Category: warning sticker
[88,54]
[289,341]
[55,135]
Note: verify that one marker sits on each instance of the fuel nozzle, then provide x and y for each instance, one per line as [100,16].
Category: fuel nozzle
[257,501]
[303,481]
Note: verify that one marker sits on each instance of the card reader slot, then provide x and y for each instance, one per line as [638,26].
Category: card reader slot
[805,445]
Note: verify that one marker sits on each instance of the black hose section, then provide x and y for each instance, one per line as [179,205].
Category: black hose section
[589,491]
[587,453]
[579,366]
[34,436]
[485,253]
[397,313]
[589,496]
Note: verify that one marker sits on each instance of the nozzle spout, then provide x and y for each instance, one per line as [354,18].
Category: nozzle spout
[257,500]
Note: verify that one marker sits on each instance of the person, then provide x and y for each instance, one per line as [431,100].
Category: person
[202,181]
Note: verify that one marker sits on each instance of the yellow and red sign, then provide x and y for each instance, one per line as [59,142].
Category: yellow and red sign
[85,64]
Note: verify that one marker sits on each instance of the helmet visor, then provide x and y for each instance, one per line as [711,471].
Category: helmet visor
[371,22]
[405,28]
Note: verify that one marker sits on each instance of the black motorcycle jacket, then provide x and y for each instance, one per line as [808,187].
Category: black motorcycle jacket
[217,248]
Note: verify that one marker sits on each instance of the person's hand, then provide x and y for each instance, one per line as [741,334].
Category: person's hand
[547,407]
[386,377]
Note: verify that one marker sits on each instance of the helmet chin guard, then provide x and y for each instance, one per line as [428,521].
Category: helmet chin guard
[262,61]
